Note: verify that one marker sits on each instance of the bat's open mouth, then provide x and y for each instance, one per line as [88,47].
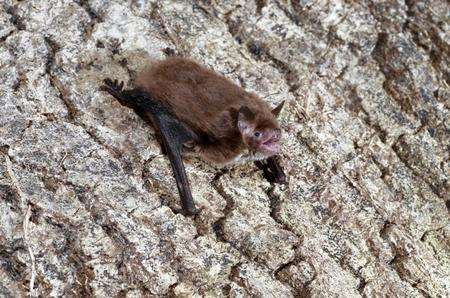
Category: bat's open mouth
[272,145]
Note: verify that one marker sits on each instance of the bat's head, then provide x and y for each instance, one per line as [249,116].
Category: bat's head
[260,130]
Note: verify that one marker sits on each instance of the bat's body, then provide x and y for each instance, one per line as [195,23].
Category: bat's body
[209,104]
[189,104]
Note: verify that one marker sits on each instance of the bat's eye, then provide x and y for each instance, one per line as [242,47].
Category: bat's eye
[257,134]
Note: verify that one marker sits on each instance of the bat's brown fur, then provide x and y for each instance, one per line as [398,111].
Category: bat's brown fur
[211,106]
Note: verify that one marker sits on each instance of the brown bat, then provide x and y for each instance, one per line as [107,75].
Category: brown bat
[195,109]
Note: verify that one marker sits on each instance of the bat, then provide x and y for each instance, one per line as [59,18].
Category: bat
[194,109]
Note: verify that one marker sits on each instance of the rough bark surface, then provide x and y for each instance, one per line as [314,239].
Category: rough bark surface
[88,205]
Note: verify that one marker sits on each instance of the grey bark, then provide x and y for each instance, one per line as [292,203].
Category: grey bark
[88,205]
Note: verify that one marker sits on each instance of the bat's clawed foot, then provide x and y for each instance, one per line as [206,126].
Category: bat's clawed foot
[272,170]
[112,87]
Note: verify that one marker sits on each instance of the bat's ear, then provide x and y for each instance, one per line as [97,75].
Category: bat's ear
[276,111]
[245,120]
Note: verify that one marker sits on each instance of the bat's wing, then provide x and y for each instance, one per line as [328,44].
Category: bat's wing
[173,133]
[272,170]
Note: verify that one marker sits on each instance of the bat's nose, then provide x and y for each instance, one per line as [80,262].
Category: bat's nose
[277,134]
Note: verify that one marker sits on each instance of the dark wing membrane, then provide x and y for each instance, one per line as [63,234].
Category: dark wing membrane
[173,133]
[272,170]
